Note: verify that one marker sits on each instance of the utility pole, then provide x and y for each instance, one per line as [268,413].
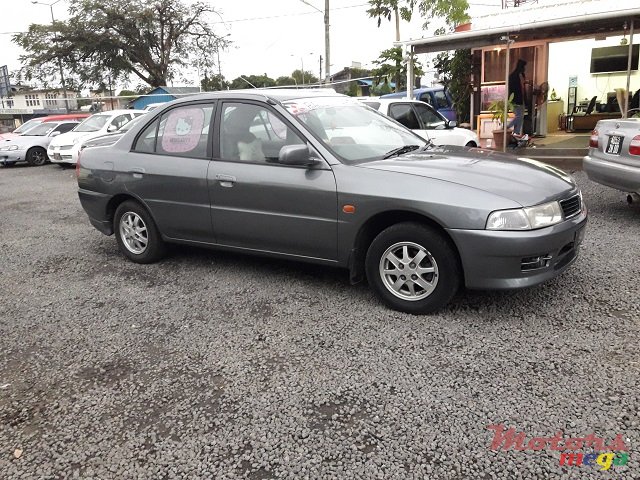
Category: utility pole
[55,35]
[327,43]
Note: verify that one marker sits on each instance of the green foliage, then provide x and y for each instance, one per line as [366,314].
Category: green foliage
[285,81]
[127,93]
[250,81]
[391,65]
[151,39]
[213,83]
[306,79]
[455,74]
[498,110]
[454,12]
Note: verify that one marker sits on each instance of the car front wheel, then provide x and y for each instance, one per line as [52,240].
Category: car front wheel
[136,233]
[413,268]
[37,156]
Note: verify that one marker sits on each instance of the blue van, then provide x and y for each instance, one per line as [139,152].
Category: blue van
[437,97]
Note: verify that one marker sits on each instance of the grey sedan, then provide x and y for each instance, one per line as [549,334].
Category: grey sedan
[614,154]
[318,177]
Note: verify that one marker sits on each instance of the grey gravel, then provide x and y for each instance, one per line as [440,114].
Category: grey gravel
[212,365]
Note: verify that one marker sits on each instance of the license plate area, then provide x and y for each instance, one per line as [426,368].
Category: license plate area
[614,145]
[57,156]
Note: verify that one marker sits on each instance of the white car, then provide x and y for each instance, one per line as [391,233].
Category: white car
[424,120]
[64,148]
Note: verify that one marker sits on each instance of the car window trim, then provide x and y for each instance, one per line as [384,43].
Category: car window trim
[410,105]
[282,118]
[158,117]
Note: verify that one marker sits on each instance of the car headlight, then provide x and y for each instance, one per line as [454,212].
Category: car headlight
[10,148]
[529,218]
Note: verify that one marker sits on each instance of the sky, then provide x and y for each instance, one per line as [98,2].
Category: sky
[274,37]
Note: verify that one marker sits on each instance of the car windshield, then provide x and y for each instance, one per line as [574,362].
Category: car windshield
[40,130]
[351,130]
[27,125]
[93,123]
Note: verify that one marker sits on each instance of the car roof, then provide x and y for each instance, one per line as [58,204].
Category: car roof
[277,94]
[385,101]
[118,112]
[65,116]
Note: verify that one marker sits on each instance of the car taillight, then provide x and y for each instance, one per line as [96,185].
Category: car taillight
[634,146]
[593,139]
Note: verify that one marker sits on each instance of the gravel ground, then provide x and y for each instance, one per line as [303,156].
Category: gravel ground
[211,365]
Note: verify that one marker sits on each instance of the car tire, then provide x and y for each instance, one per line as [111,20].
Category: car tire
[419,287]
[137,234]
[36,156]
[471,144]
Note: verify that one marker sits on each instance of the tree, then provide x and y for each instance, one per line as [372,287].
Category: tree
[151,39]
[453,11]
[304,78]
[455,74]
[251,81]
[213,83]
[285,81]
[391,64]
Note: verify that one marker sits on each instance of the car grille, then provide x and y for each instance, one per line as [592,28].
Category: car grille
[571,206]
[66,147]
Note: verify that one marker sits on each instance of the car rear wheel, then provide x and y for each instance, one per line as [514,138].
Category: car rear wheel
[136,233]
[413,268]
[37,156]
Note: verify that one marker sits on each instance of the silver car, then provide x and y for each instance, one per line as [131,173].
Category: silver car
[614,154]
[318,177]
[31,146]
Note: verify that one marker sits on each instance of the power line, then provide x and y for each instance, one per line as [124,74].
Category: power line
[289,15]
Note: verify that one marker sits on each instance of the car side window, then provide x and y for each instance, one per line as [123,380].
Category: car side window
[441,100]
[403,113]
[65,127]
[120,121]
[426,97]
[428,118]
[253,133]
[180,132]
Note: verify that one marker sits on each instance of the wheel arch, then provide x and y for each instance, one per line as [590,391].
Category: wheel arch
[379,222]
[119,199]
[36,147]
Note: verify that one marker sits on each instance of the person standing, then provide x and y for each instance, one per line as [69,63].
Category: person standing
[516,87]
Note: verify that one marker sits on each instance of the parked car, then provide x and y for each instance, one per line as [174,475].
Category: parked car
[438,97]
[31,147]
[110,138]
[424,120]
[319,177]
[36,121]
[614,154]
[64,149]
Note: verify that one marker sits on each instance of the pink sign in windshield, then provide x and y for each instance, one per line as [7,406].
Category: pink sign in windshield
[183,129]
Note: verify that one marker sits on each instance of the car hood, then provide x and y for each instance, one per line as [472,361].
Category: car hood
[25,141]
[69,137]
[525,181]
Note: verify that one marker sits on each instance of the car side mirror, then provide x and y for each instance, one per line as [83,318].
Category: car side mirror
[295,155]
[452,124]
[54,134]
[111,128]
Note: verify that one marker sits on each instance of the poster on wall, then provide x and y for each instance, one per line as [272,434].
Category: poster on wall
[491,93]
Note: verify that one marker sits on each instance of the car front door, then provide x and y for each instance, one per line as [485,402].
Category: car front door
[435,126]
[167,170]
[404,113]
[260,204]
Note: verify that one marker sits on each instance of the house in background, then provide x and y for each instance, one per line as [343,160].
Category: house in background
[26,102]
[162,94]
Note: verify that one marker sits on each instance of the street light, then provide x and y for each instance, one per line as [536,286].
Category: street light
[302,65]
[55,35]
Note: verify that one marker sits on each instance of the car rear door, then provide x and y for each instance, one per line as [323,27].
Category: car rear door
[260,204]
[167,170]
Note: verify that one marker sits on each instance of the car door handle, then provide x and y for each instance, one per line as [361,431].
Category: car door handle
[226,180]
[137,172]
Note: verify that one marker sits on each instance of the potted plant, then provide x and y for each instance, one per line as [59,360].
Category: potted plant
[500,113]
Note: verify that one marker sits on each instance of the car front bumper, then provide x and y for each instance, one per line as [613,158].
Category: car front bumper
[615,175]
[13,156]
[508,259]
[58,155]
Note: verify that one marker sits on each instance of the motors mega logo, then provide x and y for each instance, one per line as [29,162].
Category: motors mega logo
[615,453]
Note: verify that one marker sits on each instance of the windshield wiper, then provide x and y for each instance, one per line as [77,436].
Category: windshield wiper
[400,150]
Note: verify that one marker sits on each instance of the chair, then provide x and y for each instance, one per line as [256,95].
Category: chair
[587,120]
